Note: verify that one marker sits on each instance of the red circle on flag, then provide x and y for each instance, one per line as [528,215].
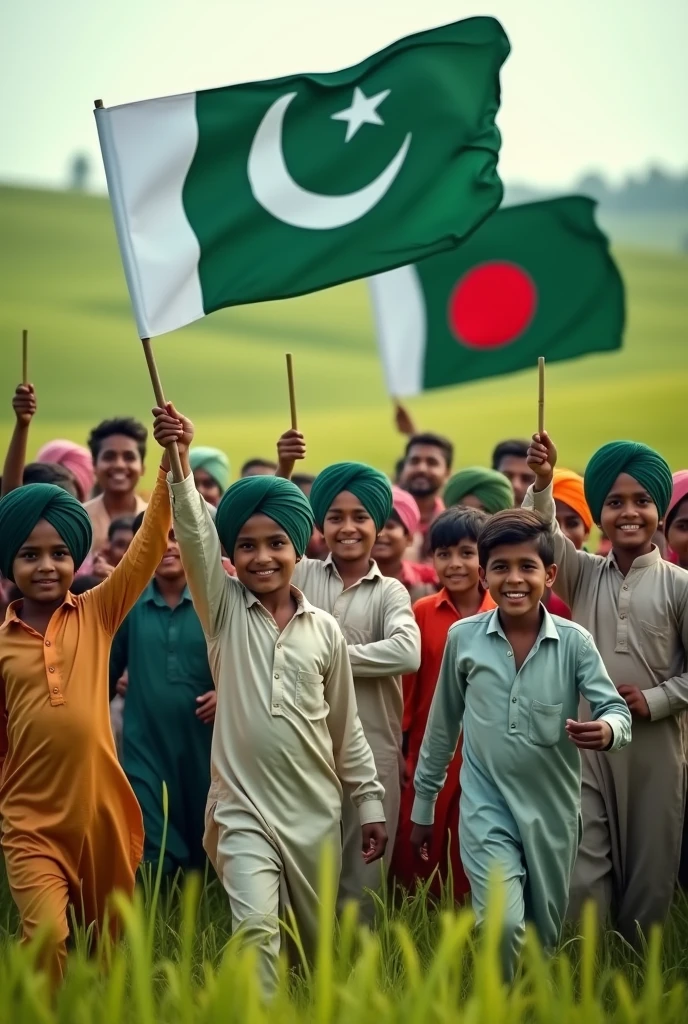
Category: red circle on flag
[492,305]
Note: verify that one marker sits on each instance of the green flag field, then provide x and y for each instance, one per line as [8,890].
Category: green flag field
[61,277]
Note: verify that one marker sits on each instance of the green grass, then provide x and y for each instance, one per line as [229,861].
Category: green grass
[60,276]
[421,965]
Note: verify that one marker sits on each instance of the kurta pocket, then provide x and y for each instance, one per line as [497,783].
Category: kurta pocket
[544,725]
[310,695]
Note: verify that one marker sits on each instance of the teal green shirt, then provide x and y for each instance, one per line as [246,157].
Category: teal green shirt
[514,722]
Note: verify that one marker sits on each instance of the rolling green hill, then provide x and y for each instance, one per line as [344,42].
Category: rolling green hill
[60,276]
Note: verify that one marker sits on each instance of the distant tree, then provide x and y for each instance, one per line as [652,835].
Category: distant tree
[593,185]
[79,172]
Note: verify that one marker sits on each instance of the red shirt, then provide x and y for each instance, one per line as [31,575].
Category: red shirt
[555,606]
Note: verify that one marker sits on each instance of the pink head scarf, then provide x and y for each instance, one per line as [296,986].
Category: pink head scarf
[679,492]
[406,508]
[74,458]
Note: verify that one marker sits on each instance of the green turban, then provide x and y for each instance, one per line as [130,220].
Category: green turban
[637,460]
[370,486]
[213,461]
[271,496]
[21,509]
[493,489]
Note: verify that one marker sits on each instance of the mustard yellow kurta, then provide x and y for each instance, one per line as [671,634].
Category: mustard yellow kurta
[287,739]
[383,641]
[633,801]
[71,827]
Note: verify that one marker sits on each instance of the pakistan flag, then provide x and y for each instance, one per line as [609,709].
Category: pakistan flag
[272,189]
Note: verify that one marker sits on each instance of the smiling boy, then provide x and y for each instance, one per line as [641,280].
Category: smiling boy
[635,604]
[118,448]
[513,678]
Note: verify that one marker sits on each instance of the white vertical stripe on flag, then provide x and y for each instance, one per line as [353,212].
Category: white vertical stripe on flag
[147,151]
[401,326]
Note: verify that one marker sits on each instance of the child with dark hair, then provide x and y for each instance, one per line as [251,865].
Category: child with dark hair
[512,678]
[454,544]
[636,606]
[258,467]
[50,473]
[120,536]
[118,447]
[511,458]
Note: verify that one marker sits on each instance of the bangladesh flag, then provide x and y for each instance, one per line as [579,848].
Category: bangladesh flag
[534,280]
[277,188]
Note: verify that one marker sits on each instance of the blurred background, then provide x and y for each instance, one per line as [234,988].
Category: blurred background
[594,101]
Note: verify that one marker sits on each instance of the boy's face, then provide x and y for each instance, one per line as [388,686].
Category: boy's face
[629,516]
[349,529]
[391,542]
[118,465]
[517,578]
[677,534]
[517,470]
[119,545]
[571,524]
[170,567]
[43,568]
[264,556]
[425,471]
[457,566]
[207,487]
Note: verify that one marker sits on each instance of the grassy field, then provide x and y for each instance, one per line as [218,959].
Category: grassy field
[60,276]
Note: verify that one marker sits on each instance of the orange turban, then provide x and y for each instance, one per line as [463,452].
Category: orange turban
[568,487]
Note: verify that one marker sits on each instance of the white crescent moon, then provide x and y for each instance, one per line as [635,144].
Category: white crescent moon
[277,192]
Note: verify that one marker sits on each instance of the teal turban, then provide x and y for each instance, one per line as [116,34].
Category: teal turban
[213,461]
[271,496]
[637,460]
[492,489]
[21,509]
[370,486]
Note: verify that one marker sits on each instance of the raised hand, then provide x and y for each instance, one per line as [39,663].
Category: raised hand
[24,404]
[291,448]
[170,425]
[403,421]
[542,458]
[373,841]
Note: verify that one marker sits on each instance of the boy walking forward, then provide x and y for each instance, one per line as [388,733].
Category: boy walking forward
[636,606]
[512,677]
[287,735]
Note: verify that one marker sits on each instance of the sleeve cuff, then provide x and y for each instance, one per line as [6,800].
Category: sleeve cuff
[423,812]
[658,702]
[370,811]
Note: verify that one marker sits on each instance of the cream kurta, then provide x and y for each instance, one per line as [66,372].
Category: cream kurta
[383,640]
[286,732]
[633,801]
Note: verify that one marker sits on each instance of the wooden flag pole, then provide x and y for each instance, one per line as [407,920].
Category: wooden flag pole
[172,450]
[541,394]
[25,357]
[292,393]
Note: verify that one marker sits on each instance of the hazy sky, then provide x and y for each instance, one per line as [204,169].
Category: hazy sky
[589,83]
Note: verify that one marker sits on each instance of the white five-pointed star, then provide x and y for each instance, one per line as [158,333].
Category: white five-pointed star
[363,110]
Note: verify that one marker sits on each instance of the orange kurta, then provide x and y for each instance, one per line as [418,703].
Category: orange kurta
[435,615]
[72,831]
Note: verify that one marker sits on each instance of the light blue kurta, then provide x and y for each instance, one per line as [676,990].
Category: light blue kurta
[521,774]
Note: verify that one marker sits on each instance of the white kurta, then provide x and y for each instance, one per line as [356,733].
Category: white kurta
[287,738]
[383,641]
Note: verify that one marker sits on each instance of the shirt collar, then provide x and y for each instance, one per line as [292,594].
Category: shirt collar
[152,594]
[548,630]
[444,598]
[303,604]
[11,613]
[641,562]
[373,571]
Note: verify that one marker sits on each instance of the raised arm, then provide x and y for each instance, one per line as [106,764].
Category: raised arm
[24,405]
[199,545]
[291,448]
[353,757]
[399,652]
[116,595]
[441,734]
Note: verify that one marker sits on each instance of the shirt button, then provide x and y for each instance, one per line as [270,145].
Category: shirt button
[513,725]
[276,675]
[47,643]
[51,669]
[625,586]
[509,654]
[513,700]
[279,647]
[55,689]
[622,616]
